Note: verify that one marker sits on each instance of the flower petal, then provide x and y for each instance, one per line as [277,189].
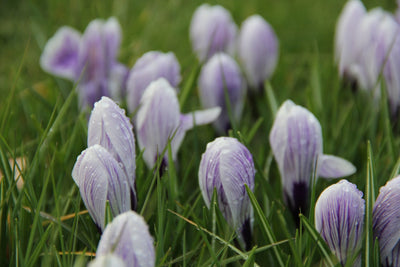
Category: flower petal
[339,217]
[330,166]
[157,119]
[386,225]
[128,237]
[60,55]
[110,128]
[100,178]
[148,68]
[108,260]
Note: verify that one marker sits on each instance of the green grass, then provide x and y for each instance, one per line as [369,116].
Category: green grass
[44,223]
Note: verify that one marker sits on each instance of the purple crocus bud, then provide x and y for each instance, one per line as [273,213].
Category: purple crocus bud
[221,73]
[100,178]
[60,55]
[296,142]
[346,51]
[386,222]
[88,59]
[110,128]
[128,238]
[151,66]
[258,50]
[212,30]
[227,166]
[108,260]
[339,218]
[159,119]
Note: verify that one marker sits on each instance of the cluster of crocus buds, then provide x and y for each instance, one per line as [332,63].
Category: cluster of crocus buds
[159,121]
[221,81]
[296,142]
[126,241]
[367,46]
[88,59]
[105,171]
[151,66]
[386,222]
[339,218]
[227,166]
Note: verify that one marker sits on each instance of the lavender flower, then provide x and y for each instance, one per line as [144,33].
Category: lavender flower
[108,260]
[151,66]
[221,73]
[100,178]
[386,222]
[159,119]
[212,30]
[110,128]
[339,217]
[296,141]
[258,50]
[227,165]
[367,45]
[128,238]
[88,59]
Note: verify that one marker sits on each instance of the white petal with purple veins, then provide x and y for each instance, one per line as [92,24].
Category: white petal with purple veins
[330,166]
[108,260]
[60,55]
[128,237]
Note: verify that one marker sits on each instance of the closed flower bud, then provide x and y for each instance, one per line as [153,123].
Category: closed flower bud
[296,142]
[258,50]
[159,120]
[386,222]
[100,178]
[339,218]
[151,66]
[219,75]
[88,59]
[128,238]
[110,128]
[212,30]
[227,166]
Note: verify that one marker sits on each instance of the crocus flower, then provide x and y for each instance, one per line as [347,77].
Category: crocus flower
[212,30]
[296,142]
[151,66]
[366,46]
[258,50]
[100,178]
[386,222]
[108,260]
[221,73]
[88,59]
[339,218]
[128,238]
[227,166]
[110,128]
[159,120]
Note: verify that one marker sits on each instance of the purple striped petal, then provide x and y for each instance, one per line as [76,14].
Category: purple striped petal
[110,128]
[212,30]
[296,141]
[128,237]
[227,165]
[257,50]
[60,55]
[334,167]
[339,218]
[158,118]
[222,73]
[151,66]
[386,223]
[100,178]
